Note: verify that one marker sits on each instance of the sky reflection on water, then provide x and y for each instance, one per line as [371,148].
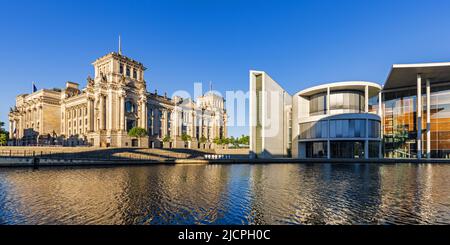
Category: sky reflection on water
[228,194]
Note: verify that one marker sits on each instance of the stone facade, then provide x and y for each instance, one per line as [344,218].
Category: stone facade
[113,102]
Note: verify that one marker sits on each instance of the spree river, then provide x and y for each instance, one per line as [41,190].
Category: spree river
[228,194]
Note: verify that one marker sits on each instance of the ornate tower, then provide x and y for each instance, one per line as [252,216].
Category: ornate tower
[118,100]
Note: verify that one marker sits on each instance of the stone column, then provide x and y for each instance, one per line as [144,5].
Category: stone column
[121,112]
[41,120]
[110,110]
[89,109]
[96,114]
[428,120]
[193,128]
[419,116]
[165,124]
[102,113]
[10,129]
[200,125]
[225,131]
[143,116]
[21,126]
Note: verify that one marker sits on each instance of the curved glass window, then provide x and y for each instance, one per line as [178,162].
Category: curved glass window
[314,130]
[346,102]
[373,104]
[348,128]
[318,104]
[374,129]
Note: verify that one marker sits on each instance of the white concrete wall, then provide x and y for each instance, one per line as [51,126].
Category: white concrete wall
[276,103]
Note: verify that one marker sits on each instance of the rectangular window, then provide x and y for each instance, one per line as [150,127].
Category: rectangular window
[150,121]
[374,149]
[128,71]
[316,150]
[121,69]
[347,149]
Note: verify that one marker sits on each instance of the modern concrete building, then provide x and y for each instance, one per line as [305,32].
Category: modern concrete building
[113,102]
[410,132]
[336,120]
[270,108]
[355,119]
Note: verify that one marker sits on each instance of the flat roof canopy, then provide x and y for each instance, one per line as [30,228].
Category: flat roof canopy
[405,75]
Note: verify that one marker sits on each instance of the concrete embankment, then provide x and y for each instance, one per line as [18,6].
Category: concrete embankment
[86,156]
[50,162]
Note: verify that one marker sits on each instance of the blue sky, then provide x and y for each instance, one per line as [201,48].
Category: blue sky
[299,43]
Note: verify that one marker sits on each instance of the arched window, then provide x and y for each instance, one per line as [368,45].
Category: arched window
[130,107]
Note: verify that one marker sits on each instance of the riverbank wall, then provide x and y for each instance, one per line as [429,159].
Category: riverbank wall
[53,162]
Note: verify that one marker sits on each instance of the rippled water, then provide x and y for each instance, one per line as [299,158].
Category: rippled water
[228,194]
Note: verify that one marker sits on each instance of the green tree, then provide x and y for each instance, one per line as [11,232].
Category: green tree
[203,139]
[236,142]
[244,140]
[137,132]
[4,135]
[222,141]
[3,139]
[185,137]
[167,138]
[217,141]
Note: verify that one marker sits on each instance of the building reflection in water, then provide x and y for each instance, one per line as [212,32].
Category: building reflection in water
[228,194]
[415,194]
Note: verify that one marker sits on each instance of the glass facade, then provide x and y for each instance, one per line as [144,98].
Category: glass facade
[346,102]
[400,127]
[374,129]
[440,121]
[318,104]
[348,128]
[374,149]
[347,138]
[374,104]
[316,149]
[342,128]
[314,130]
[347,149]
